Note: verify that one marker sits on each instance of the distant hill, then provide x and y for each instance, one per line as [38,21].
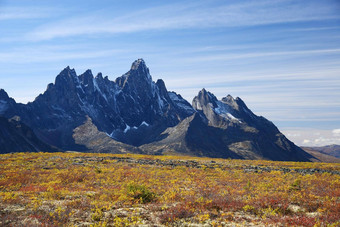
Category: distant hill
[329,153]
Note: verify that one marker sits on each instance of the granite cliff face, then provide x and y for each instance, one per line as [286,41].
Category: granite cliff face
[135,114]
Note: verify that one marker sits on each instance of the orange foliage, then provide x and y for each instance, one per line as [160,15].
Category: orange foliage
[59,188]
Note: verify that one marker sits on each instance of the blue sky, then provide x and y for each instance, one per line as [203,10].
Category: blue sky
[281,57]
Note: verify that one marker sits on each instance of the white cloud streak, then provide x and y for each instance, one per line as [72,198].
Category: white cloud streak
[46,54]
[227,57]
[19,13]
[336,132]
[179,16]
[311,137]
[317,79]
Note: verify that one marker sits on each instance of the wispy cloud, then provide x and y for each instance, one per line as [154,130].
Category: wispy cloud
[315,79]
[311,29]
[19,13]
[226,57]
[43,54]
[311,136]
[181,16]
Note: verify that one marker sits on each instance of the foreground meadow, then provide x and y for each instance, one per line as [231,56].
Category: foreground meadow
[76,189]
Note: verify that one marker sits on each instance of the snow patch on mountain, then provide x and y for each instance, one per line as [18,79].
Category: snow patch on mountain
[78,84]
[96,87]
[160,102]
[127,128]
[223,110]
[181,103]
[144,123]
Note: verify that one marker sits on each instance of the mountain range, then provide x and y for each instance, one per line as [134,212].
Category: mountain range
[329,153]
[134,114]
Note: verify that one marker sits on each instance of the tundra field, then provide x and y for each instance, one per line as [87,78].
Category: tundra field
[82,189]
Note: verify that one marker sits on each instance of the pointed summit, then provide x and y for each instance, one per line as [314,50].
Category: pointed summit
[3,101]
[3,95]
[66,77]
[139,63]
[235,103]
[139,69]
[207,103]
[67,71]
[99,76]
[87,77]
[203,98]
[138,77]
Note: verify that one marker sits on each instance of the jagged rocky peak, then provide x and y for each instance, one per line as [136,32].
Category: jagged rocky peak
[99,82]
[6,102]
[162,88]
[87,77]
[222,113]
[139,65]
[207,103]
[99,76]
[3,95]
[228,99]
[203,98]
[226,107]
[3,101]
[67,73]
[67,78]
[139,71]
[137,77]
[239,108]
[236,103]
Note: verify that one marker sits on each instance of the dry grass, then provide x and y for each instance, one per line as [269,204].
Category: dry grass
[42,189]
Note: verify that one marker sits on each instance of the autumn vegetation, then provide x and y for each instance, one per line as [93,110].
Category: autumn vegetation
[77,189]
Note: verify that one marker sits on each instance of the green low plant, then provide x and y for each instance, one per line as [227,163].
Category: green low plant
[140,192]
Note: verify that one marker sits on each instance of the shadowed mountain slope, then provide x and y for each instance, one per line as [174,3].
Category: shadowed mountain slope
[135,114]
[18,137]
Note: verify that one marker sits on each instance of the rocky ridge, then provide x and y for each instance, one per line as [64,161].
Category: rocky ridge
[130,109]
[135,114]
